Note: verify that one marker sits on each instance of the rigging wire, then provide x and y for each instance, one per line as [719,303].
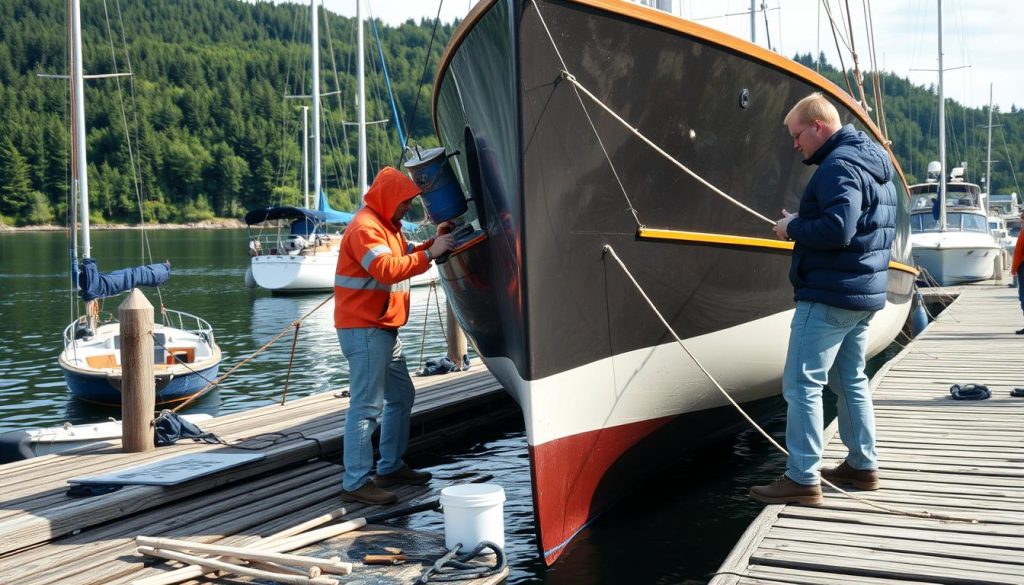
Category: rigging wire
[419,89]
[836,36]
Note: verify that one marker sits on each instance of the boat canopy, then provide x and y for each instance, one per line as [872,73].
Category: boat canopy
[93,284]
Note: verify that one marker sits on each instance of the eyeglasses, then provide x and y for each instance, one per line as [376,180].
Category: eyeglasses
[797,135]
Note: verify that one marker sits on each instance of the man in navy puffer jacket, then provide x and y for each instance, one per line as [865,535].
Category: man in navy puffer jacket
[842,234]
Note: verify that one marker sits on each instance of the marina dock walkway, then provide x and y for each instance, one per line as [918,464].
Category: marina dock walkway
[957,458]
[48,537]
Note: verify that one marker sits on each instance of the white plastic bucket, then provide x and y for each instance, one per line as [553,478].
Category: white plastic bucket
[473,512]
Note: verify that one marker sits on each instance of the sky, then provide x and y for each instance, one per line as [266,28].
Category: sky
[982,43]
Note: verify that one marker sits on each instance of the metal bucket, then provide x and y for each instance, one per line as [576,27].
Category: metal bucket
[442,194]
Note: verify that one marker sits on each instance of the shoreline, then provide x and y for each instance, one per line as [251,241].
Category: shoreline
[210,224]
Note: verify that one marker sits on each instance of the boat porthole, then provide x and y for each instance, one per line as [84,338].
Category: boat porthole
[744,98]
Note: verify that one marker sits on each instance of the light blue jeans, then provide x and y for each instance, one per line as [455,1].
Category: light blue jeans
[381,392]
[827,345]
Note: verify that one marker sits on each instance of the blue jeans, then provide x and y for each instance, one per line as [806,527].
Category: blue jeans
[381,392]
[1020,289]
[827,345]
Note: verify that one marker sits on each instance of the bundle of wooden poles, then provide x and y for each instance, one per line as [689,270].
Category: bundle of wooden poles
[266,559]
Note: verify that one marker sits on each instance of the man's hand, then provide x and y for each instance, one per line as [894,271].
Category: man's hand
[446,227]
[442,244]
[782,224]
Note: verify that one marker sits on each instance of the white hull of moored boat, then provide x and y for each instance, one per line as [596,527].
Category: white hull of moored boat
[281,273]
[17,445]
[955,257]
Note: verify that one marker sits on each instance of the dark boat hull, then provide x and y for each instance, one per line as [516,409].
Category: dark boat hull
[554,180]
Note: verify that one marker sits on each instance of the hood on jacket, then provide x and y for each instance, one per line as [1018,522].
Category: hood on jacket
[389,189]
[855,147]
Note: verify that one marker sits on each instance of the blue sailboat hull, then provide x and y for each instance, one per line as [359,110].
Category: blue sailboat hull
[106,390]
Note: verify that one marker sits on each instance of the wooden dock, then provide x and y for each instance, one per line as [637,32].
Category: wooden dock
[48,537]
[963,459]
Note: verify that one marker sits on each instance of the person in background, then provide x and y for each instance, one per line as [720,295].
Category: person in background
[843,234]
[1018,257]
[371,302]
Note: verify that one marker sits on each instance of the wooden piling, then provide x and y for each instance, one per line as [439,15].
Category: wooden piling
[454,337]
[138,387]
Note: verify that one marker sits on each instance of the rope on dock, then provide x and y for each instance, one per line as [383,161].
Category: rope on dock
[608,250]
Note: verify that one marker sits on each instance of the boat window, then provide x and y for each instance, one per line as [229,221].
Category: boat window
[924,222]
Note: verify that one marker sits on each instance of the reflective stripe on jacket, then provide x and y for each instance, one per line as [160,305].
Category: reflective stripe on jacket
[371,282]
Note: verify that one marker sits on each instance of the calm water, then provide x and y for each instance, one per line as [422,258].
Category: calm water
[676,529]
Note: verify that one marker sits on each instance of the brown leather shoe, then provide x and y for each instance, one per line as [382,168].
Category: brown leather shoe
[843,474]
[404,476]
[369,493]
[787,491]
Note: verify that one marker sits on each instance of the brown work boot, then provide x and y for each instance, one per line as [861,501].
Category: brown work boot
[787,491]
[404,476]
[369,493]
[843,474]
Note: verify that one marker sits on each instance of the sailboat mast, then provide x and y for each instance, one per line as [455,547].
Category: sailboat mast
[942,135]
[305,155]
[315,50]
[988,157]
[81,178]
[360,75]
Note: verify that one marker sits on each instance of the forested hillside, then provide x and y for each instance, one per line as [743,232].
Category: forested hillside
[213,133]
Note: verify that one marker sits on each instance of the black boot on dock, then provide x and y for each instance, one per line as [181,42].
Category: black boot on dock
[404,476]
[369,493]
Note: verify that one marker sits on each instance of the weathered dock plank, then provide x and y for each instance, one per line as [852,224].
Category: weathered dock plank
[963,459]
[48,537]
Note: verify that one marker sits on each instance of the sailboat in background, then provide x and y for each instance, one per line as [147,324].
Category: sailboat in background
[293,249]
[186,356]
[950,235]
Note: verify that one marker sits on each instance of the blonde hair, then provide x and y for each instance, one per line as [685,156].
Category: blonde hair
[814,107]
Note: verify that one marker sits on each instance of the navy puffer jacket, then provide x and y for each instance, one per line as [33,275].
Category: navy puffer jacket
[846,225]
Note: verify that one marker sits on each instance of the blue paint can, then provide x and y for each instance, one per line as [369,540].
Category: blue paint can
[442,194]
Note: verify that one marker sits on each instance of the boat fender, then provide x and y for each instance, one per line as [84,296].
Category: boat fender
[250,280]
[15,446]
[919,316]
[1017,392]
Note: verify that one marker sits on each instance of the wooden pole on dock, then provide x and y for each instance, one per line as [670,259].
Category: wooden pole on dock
[454,336]
[138,387]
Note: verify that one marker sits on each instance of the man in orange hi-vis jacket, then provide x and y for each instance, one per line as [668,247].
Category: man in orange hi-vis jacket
[371,301]
[1015,269]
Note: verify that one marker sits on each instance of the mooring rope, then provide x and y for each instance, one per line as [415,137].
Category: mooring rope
[586,113]
[579,87]
[211,384]
[608,250]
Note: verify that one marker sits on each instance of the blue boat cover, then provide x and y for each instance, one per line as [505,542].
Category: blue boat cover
[92,284]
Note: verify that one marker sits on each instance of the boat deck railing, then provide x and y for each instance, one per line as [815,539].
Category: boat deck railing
[181,320]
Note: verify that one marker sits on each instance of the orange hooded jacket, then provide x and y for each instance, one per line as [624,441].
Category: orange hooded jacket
[371,287]
[1018,255]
